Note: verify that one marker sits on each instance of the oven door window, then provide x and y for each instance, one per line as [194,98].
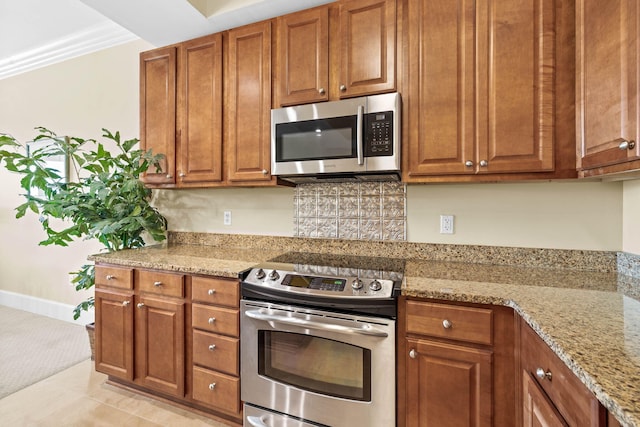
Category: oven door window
[316,364]
[321,139]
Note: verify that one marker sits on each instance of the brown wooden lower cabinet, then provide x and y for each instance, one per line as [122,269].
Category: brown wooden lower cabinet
[551,391]
[457,364]
[171,336]
[480,365]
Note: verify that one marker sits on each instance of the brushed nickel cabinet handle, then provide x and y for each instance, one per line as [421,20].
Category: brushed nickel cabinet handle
[157,283]
[212,386]
[211,292]
[484,163]
[126,303]
[110,277]
[321,91]
[543,375]
[468,163]
[413,353]
[212,320]
[343,88]
[212,347]
[140,305]
[446,323]
[627,145]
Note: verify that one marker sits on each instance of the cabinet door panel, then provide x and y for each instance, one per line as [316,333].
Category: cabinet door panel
[441,105]
[453,385]
[114,334]
[160,344]
[538,410]
[158,111]
[516,65]
[200,99]
[303,56]
[607,82]
[249,103]
[368,38]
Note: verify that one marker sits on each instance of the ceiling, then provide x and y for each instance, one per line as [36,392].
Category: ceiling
[36,33]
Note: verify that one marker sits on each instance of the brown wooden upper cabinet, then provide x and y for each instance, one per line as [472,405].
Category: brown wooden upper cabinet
[248,104]
[181,111]
[490,90]
[607,86]
[341,50]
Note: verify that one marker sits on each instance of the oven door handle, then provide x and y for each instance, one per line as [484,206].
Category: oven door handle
[365,329]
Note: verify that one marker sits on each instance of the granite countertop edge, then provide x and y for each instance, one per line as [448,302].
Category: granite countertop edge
[170,258]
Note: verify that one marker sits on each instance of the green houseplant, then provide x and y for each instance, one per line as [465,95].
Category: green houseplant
[104,199]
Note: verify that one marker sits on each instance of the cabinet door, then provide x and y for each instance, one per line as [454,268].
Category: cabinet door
[248,107]
[114,333]
[537,409]
[200,110]
[367,47]
[607,82]
[481,87]
[516,65]
[303,57]
[160,334]
[448,385]
[158,111]
[441,106]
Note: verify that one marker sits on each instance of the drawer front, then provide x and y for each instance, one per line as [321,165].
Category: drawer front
[159,283]
[468,324]
[577,405]
[220,320]
[212,290]
[217,390]
[216,352]
[115,277]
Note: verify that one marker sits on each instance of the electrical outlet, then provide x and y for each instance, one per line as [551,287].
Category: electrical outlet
[226,218]
[446,224]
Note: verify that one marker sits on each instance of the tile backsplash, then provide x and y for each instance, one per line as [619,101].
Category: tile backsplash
[362,211]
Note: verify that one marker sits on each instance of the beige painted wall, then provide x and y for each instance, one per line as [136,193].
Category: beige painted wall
[631,217]
[82,95]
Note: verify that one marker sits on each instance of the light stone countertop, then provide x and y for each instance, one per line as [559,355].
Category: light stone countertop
[590,319]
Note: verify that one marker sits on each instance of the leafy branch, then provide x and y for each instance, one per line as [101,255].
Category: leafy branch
[106,201]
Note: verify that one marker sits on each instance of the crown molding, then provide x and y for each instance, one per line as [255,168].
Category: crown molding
[77,44]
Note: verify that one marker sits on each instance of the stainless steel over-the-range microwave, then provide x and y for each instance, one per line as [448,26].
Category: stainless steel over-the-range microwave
[350,139]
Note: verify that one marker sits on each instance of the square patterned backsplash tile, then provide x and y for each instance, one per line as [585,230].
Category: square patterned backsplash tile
[363,211]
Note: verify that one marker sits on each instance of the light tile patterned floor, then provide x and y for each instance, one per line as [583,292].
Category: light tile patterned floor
[79,396]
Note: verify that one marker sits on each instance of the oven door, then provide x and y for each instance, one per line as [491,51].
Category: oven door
[324,367]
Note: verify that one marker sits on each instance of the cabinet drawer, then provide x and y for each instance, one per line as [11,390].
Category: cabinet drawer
[466,324]
[159,283]
[215,319]
[212,290]
[216,352]
[577,405]
[215,389]
[115,277]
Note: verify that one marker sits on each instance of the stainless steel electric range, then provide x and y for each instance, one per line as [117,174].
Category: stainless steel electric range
[318,341]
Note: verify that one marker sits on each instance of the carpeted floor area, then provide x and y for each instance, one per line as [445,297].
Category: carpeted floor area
[34,347]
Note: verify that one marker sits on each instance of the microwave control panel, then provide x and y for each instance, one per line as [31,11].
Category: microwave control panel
[379,134]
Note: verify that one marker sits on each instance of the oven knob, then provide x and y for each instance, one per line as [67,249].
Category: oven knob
[375,285]
[260,274]
[356,284]
[274,275]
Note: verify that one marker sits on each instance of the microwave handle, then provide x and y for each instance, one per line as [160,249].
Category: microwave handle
[359,142]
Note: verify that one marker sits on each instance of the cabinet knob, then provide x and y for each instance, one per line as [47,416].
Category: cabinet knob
[264,171]
[211,291]
[157,284]
[212,320]
[627,145]
[446,323]
[468,163]
[182,174]
[126,303]
[484,163]
[343,88]
[110,277]
[212,386]
[321,91]
[542,374]
[413,353]
[212,347]
[140,305]
[169,176]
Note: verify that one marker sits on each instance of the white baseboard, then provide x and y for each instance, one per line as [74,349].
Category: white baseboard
[44,307]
